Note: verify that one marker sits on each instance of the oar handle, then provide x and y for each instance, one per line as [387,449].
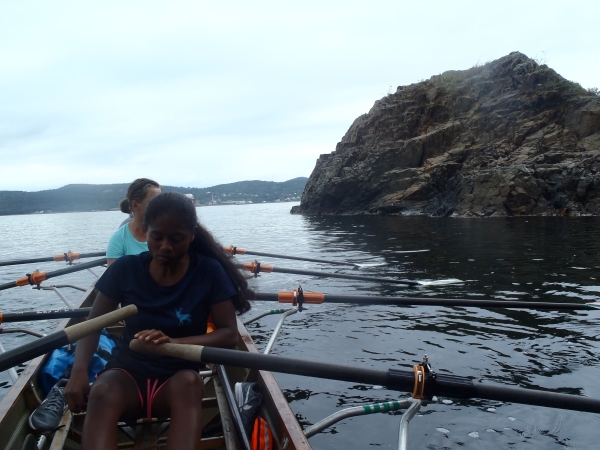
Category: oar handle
[62,337]
[77,331]
[183,351]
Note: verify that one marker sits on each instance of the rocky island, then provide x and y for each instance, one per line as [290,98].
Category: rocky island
[511,137]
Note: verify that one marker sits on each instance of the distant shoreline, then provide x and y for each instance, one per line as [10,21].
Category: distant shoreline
[117,209]
[107,197]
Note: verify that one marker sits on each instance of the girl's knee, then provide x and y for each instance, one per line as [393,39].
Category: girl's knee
[103,394]
[182,394]
[114,391]
[187,383]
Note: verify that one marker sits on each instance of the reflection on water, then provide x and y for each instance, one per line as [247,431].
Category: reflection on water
[529,259]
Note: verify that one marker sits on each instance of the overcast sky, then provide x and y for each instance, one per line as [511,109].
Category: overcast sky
[195,93]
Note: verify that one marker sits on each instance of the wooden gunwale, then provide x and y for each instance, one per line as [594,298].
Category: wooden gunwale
[21,398]
[273,396]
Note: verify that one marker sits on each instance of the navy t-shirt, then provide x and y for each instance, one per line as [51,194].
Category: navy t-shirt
[178,311]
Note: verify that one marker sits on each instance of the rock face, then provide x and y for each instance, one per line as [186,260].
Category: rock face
[511,137]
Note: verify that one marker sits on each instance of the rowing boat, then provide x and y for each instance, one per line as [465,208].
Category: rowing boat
[221,422]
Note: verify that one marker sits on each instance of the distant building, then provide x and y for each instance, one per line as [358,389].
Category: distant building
[191,197]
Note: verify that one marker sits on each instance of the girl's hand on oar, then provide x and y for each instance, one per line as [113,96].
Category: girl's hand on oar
[77,390]
[155,336]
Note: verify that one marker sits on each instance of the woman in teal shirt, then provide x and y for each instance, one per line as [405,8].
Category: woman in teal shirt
[130,239]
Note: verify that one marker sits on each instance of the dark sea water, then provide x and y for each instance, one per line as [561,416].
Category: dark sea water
[529,259]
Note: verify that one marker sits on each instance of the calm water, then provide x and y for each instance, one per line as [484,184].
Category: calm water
[544,259]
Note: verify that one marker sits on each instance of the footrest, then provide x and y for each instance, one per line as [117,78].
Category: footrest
[60,436]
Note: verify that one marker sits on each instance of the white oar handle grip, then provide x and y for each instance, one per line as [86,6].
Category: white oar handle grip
[182,351]
[80,330]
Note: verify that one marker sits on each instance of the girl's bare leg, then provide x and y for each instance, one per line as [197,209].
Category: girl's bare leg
[114,395]
[181,399]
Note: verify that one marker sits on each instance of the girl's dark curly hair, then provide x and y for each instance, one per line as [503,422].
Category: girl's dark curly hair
[179,206]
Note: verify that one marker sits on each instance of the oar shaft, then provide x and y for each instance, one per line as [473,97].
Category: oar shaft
[4,286]
[344,276]
[62,337]
[283,297]
[538,398]
[25,261]
[64,257]
[445,385]
[43,315]
[76,268]
[233,250]
[32,349]
[259,361]
[267,268]
[300,258]
[41,276]
[462,387]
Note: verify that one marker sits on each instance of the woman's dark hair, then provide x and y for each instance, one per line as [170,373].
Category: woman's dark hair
[137,191]
[179,206]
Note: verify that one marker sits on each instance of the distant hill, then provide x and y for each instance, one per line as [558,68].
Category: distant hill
[100,197]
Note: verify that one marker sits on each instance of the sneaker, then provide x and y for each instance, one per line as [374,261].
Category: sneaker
[46,418]
[248,398]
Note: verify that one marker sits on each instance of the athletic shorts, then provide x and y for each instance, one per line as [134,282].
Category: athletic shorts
[147,387]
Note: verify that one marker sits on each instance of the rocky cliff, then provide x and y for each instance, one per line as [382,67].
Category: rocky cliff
[511,137]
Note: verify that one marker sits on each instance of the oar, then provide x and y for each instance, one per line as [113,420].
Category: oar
[63,337]
[439,384]
[233,250]
[37,277]
[256,267]
[25,316]
[68,257]
[317,298]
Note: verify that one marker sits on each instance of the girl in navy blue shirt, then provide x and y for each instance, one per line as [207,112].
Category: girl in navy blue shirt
[183,278]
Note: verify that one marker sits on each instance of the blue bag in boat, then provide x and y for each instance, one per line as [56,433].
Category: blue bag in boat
[60,362]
